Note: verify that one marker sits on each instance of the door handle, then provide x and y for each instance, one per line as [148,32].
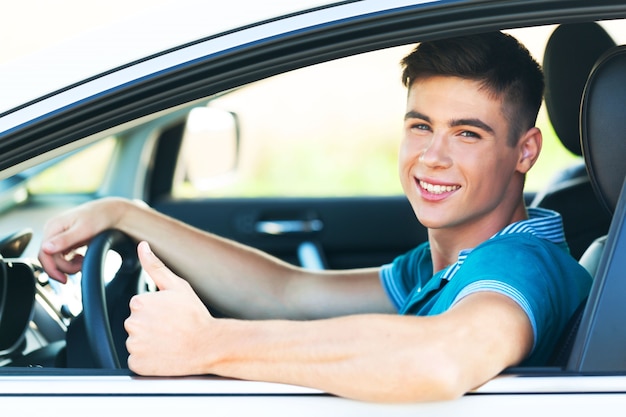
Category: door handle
[283,227]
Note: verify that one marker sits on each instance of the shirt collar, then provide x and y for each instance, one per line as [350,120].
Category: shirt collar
[543,223]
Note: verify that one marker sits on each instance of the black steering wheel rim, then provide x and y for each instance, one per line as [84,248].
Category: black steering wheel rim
[95,311]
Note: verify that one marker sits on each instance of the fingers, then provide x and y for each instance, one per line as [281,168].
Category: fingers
[59,266]
[163,326]
[58,257]
[59,260]
[62,235]
[65,233]
[162,276]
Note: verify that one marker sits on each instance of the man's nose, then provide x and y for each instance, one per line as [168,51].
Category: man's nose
[436,152]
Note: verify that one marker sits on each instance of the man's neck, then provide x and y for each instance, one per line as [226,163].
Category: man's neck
[445,244]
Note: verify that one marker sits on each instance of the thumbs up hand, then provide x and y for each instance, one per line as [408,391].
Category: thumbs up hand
[168,330]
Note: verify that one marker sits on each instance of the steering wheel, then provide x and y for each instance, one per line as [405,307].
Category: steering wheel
[98,300]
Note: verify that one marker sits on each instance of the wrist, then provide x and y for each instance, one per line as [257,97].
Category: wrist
[222,351]
[123,213]
[233,343]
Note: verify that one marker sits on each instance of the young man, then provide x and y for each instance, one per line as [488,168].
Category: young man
[491,288]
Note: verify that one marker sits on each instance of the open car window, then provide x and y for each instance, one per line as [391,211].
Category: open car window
[340,122]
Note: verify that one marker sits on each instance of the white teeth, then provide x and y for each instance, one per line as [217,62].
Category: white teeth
[438,189]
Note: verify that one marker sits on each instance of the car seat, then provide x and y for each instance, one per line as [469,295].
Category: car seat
[602,127]
[569,56]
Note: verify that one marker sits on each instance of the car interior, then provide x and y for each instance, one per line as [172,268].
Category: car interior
[582,64]
[570,54]
[602,125]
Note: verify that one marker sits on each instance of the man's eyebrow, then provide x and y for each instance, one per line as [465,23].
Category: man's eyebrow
[472,122]
[416,115]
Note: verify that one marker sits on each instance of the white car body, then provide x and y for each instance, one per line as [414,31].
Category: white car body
[221,31]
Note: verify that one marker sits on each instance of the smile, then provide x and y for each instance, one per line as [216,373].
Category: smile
[437,188]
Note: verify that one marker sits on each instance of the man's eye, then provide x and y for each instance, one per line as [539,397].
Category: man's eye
[419,126]
[470,134]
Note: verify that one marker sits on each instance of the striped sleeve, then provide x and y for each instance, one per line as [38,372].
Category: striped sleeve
[504,289]
[396,292]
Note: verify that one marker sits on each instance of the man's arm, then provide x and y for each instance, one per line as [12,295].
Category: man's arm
[372,357]
[237,279]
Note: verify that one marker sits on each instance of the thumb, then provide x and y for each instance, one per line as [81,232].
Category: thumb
[162,276]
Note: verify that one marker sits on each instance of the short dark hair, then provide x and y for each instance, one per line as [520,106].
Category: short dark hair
[503,65]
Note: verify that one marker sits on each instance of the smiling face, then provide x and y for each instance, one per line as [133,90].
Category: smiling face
[456,167]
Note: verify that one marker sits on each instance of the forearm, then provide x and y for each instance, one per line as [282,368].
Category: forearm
[246,283]
[381,358]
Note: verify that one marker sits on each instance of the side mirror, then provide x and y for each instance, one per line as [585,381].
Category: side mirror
[210,149]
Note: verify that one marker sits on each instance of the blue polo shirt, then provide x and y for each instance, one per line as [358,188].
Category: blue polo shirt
[528,261]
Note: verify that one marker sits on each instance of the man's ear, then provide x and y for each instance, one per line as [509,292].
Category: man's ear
[529,147]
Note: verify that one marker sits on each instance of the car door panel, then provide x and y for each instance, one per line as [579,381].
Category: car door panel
[349,232]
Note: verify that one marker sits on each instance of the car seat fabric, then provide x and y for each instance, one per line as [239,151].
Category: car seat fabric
[603,142]
[603,126]
[570,54]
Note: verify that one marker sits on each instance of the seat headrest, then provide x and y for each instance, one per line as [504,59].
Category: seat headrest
[570,54]
[603,125]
